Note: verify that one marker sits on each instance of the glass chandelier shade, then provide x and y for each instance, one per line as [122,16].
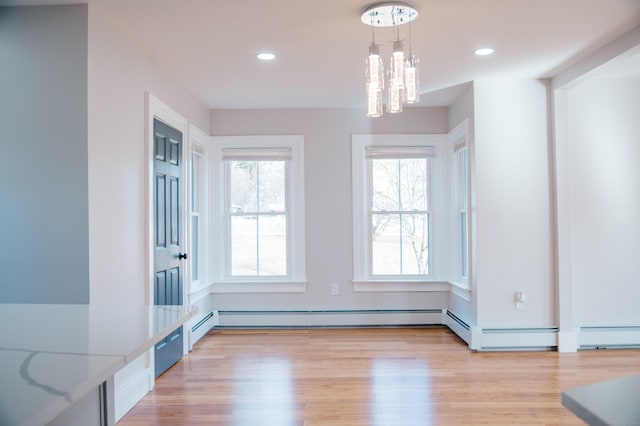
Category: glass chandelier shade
[396,79]
[375,82]
[402,85]
[374,101]
[411,80]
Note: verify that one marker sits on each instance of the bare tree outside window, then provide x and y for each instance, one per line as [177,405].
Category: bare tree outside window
[399,216]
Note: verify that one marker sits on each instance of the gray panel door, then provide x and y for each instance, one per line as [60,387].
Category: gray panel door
[168,238]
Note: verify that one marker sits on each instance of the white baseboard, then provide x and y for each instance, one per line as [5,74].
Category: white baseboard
[200,325]
[359,318]
[502,339]
[457,325]
[609,337]
[480,339]
[131,384]
[203,321]
[567,341]
[515,339]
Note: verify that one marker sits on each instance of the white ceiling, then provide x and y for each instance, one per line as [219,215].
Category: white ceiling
[210,45]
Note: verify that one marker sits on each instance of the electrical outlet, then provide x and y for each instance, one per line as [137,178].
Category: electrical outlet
[335,289]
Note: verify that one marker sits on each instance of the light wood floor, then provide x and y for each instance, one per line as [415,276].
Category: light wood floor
[368,377]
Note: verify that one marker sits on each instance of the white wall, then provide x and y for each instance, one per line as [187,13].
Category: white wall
[119,77]
[462,108]
[329,249]
[603,129]
[513,211]
[596,154]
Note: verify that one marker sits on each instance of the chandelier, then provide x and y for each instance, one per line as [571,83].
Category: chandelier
[402,85]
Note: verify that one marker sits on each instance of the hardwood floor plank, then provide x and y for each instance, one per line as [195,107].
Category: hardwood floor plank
[368,376]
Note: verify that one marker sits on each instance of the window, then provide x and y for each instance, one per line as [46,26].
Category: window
[460,208]
[198,209]
[399,204]
[196,168]
[460,196]
[259,213]
[256,211]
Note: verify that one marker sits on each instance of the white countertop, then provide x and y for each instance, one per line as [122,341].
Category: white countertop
[611,403]
[52,355]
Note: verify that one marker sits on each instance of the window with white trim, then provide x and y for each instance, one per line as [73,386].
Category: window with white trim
[260,209]
[399,188]
[398,208]
[460,209]
[197,204]
[461,237]
[256,211]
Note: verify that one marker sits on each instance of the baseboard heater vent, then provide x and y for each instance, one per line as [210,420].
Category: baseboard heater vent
[519,339]
[350,311]
[611,328]
[330,318]
[610,337]
[610,346]
[458,320]
[201,322]
[520,330]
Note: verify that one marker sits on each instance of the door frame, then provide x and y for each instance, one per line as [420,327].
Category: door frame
[156,109]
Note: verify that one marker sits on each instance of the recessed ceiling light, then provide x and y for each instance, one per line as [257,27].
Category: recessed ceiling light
[484,51]
[266,56]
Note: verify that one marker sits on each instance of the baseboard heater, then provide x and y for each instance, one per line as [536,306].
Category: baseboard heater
[457,325]
[202,326]
[519,339]
[330,318]
[609,337]
[458,320]
[201,322]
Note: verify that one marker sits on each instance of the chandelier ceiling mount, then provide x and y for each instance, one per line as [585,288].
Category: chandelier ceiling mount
[388,14]
[402,85]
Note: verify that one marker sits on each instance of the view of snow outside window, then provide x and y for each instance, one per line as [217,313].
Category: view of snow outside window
[257,209]
[399,216]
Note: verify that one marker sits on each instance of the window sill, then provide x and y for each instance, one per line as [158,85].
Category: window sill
[461,290]
[198,287]
[399,286]
[258,287]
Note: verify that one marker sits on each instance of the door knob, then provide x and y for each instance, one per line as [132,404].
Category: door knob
[182,256]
